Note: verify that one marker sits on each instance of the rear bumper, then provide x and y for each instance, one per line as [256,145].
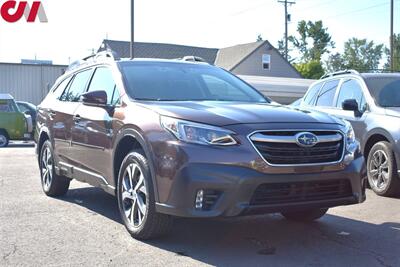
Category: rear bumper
[236,186]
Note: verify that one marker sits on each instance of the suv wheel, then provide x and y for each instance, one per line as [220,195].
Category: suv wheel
[304,215]
[382,171]
[3,139]
[53,185]
[136,199]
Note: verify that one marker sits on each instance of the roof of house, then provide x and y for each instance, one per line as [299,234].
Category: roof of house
[228,58]
[159,50]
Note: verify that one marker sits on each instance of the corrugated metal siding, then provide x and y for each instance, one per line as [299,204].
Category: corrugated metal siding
[281,90]
[28,82]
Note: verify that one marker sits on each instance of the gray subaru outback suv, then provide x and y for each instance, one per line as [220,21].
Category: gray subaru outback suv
[371,103]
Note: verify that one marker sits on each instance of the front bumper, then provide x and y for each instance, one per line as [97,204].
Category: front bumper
[236,186]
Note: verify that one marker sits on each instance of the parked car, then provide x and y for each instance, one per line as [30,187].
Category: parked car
[174,138]
[28,108]
[371,102]
[14,124]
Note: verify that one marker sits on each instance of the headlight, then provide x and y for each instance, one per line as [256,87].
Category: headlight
[197,133]
[350,135]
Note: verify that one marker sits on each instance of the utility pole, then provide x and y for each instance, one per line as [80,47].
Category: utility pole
[286,3]
[391,36]
[132,28]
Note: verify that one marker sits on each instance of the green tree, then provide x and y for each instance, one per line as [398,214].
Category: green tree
[259,38]
[313,40]
[310,70]
[396,54]
[359,54]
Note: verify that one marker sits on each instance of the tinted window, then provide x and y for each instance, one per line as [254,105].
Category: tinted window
[351,89]
[103,80]
[312,94]
[327,94]
[7,106]
[385,90]
[77,86]
[185,82]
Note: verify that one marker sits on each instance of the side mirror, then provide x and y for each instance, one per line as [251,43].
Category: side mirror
[95,98]
[351,105]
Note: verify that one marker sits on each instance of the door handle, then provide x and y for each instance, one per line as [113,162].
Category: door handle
[77,118]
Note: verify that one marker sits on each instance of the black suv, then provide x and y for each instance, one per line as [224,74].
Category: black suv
[175,138]
[371,102]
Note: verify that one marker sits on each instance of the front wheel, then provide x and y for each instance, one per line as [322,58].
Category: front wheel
[305,215]
[53,185]
[136,199]
[382,170]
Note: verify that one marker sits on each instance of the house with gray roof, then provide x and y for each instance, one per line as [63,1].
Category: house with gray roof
[255,59]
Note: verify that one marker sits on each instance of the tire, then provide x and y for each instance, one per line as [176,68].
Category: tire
[4,140]
[382,170]
[305,215]
[136,201]
[53,185]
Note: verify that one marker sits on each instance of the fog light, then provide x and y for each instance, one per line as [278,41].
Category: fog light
[199,199]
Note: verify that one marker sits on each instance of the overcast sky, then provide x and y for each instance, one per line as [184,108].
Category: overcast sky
[76,27]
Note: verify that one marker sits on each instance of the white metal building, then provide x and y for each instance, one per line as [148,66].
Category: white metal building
[28,82]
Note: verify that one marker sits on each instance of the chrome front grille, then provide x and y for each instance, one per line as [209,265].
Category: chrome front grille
[283,147]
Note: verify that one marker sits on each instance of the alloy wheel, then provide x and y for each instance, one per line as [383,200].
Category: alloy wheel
[379,169]
[47,168]
[134,195]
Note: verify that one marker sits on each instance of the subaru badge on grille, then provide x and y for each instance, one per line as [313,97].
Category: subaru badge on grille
[306,139]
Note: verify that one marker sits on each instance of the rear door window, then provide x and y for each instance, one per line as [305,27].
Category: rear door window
[327,94]
[77,87]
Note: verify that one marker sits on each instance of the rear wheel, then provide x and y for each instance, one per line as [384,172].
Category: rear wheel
[305,215]
[53,185]
[136,199]
[382,170]
[3,139]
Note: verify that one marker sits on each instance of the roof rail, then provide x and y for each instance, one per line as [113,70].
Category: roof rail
[193,59]
[98,57]
[339,73]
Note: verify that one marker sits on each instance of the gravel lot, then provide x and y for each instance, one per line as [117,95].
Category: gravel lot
[83,228]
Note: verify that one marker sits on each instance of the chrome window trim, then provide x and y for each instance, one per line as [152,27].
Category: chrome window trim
[299,130]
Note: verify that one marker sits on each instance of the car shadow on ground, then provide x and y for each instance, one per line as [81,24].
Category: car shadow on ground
[267,240]
[19,144]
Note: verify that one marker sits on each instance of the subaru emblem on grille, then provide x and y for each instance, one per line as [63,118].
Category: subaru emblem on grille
[306,139]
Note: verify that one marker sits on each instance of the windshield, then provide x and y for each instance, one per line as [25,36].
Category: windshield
[385,90]
[166,81]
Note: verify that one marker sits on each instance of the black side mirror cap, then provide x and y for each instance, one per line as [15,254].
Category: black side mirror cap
[350,104]
[95,98]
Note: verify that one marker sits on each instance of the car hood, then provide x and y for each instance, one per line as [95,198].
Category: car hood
[230,113]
